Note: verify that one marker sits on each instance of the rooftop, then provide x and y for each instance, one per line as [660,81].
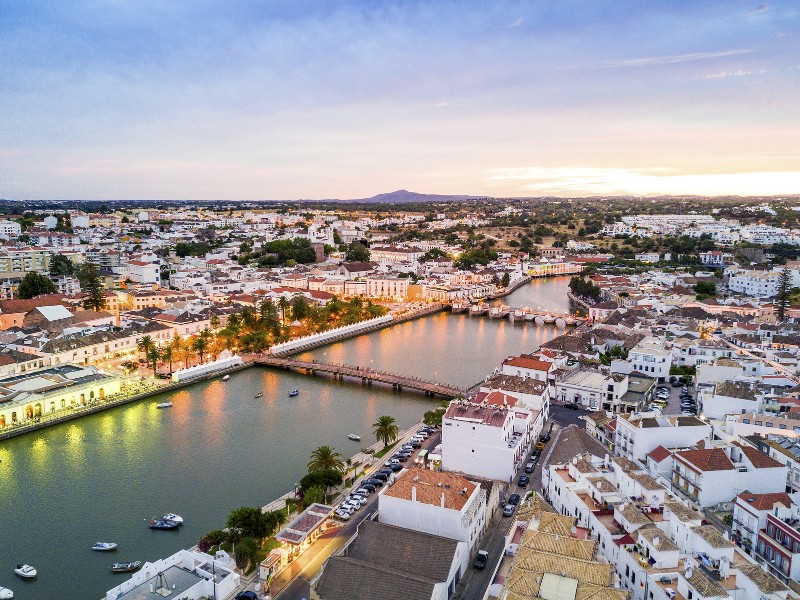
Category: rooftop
[178,580]
[437,488]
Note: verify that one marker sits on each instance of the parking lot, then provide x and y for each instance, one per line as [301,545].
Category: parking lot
[674,403]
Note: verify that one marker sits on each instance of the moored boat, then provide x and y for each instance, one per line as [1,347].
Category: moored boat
[164,405]
[104,546]
[354,437]
[294,393]
[5,593]
[173,517]
[259,394]
[226,377]
[125,567]
[163,524]
[26,571]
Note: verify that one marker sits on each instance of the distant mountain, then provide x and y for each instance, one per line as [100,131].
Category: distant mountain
[404,196]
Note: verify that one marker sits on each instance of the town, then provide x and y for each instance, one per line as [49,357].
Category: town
[646,448]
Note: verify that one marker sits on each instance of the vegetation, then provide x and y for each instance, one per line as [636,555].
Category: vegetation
[280,252]
[92,286]
[386,430]
[615,352]
[61,266]
[324,457]
[357,252]
[584,288]
[783,297]
[34,284]
[705,289]
[433,418]
[477,256]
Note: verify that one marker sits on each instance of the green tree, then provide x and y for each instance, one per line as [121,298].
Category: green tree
[357,252]
[325,478]
[143,345]
[705,288]
[250,521]
[34,284]
[433,418]
[168,355]
[153,355]
[313,495]
[284,304]
[244,552]
[505,279]
[782,298]
[386,430]
[92,286]
[61,266]
[325,457]
[200,344]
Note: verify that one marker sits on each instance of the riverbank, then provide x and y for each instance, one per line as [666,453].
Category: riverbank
[578,300]
[151,388]
[513,287]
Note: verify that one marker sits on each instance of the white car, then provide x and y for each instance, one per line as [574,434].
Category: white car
[342,514]
[360,498]
[351,505]
[654,408]
[362,491]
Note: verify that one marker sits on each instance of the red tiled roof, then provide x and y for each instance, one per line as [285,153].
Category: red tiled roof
[486,415]
[759,459]
[713,459]
[659,453]
[528,363]
[496,399]
[765,501]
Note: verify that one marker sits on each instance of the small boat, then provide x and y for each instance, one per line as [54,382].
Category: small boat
[226,378]
[173,517]
[354,437]
[26,571]
[125,567]
[163,524]
[5,593]
[164,405]
[259,394]
[104,546]
[293,393]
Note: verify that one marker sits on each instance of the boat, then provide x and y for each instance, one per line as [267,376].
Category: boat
[125,567]
[26,571]
[173,517]
[104,546]
[354,437]
[5,593]
[226,378]
[164,405]
[293,393]
[259,394]
[163,524]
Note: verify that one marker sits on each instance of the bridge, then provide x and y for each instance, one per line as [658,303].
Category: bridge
[519,315]
[365,374]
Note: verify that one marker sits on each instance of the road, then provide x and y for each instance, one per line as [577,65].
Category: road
[293,582]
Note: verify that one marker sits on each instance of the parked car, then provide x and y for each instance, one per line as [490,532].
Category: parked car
[386,470]
[530,466]
[513,499]
[402,458]
[246,595]
[343,515]
[481,559]
[381,476]
[374,481]
[397,467]
[367,486]
[654,408]
[416,444]
[536,453]
[571,406]
[363,490]
[523,480]
[676,383]
[508,510]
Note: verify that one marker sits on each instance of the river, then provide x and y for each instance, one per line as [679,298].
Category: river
[102,477]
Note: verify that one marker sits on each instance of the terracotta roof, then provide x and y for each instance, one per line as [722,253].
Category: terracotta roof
[765,501]
[759,459]
[427,489]
[23,306]
[485,415]
[659,453]
[713,459]
[527,362]
[496,399]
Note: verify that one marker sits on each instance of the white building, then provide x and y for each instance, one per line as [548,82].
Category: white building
[490,439]
[650,356]
[759,284]
[443,504]
[10,229]
[592,389]
[637,435]
[750,515]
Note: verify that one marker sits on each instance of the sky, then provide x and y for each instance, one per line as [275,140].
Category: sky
[293,99]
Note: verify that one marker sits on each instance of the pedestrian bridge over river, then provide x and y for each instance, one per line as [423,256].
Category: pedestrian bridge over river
[366,375]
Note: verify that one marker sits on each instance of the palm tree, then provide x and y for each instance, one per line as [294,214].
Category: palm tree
[214,321]
[200,345]
[153,355]
[386,430]
[284,304]
[144,343]
[323,458]
[168,354]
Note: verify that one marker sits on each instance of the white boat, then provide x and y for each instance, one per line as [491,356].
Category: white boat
[173,517]
[354,437]
[5,593]
[164,405]
[26,571]
[104,546]
[226,378]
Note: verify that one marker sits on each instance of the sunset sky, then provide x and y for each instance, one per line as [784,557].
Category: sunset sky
[293,99]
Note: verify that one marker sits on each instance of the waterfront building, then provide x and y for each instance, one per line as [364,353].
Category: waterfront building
[436,503]
[26,397]
[187,575]
[301,532]
[596,390]
[395,288]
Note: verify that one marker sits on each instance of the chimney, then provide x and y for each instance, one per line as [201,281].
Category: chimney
[656,541]
[442,499]
[413,493]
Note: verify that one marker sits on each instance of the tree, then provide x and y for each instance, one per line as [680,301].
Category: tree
[284,304]
[200,343]
[168,354]
[244,552]
[325,457]
[34,284]
[250,522]
[784,293]
[705,288]
[144,343]
[91,284]
[314,495]
[357,252]
[433,418]
[325,478]
[153,355]
[505,279]
[386,430]
[61,266]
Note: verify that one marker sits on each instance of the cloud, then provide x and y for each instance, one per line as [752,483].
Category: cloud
[761,8]
[654,61]
[442,104]
[737,73]
[516,23]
